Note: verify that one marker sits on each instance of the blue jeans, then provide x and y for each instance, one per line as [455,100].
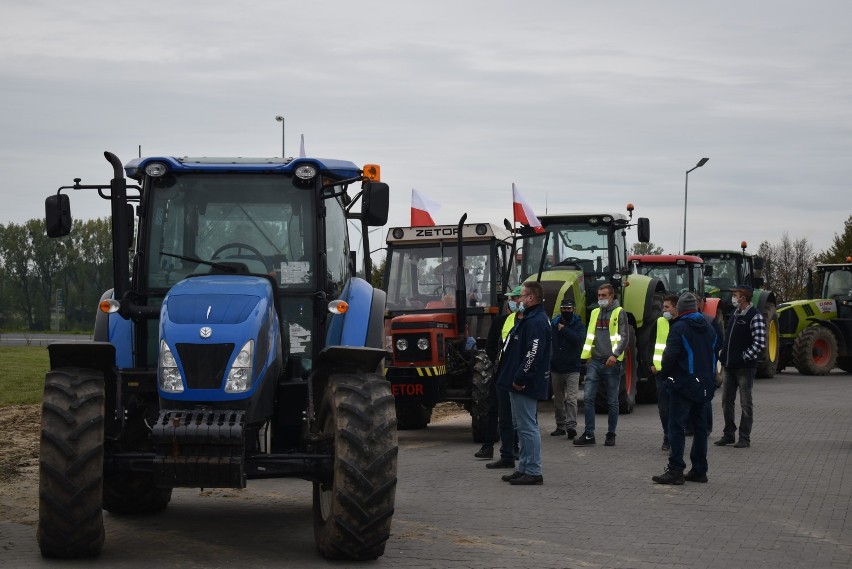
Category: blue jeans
[525,414]
[742,380]
[663,403]
[596,371]
[507,425]
[685,413]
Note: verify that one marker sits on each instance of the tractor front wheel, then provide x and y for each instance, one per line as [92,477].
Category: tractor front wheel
[483,375]
[71,464]
[768,364]
[353,510]
[815,351]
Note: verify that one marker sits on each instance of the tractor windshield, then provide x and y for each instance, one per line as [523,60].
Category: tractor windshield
[838,283]
[722,274]
[580,245]
[676,279]
[424,276]
[201,223]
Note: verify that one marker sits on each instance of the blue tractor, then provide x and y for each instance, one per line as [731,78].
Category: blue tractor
[237,343]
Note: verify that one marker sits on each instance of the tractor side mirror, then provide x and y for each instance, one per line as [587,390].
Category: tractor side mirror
[758,263]
[375,204]
[57,215]
[643,230]
[708,270]
[758,282]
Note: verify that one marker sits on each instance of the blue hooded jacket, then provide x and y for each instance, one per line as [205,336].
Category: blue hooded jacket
[526,355]
[689,360]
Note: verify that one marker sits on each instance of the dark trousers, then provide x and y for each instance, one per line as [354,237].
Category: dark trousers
[492,434]
[685,413]
[507,429]
[742,380]
[663,403]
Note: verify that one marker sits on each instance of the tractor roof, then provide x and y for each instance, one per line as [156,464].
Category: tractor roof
[719,252]
[340,169]
[580,217]
[446,233]
[665,259]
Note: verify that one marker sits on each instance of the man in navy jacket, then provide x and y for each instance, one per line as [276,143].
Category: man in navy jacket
[525,372]
[568,336]
[689,365]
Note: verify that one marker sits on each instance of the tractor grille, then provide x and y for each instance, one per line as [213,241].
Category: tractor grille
[204,364]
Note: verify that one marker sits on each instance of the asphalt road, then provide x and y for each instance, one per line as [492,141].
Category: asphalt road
[40,339]
[783,503]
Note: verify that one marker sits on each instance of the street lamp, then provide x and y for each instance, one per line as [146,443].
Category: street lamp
[280,119]
[701,163]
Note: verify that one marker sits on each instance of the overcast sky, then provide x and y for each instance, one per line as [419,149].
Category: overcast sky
[584,105]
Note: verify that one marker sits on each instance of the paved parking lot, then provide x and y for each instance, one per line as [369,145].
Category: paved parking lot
[785,502]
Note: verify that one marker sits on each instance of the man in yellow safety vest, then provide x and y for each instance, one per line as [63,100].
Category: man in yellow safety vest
[669,313]
[606,341]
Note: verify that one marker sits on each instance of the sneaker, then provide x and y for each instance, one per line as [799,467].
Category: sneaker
[670,476]
[742,443]
[527,480]
[610,440]
[572,433]
[586,438]
[725,440]
[693,476]
[510,477]
[501,463]
[487,451]
[666,446]
[559,432]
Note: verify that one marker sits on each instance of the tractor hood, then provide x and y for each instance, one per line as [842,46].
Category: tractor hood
[215,300]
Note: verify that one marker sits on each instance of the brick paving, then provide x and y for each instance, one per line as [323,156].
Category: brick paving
[783,503]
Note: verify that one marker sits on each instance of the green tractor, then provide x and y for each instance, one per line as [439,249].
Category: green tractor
[726,268]
[816,334]
[575,254]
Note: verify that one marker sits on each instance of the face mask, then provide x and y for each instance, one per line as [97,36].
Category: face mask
[513,306]
[521,307]
[667,315]
[735,301]
[603,303]
[567,315]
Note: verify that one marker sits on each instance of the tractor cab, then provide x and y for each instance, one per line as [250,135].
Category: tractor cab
[678,273]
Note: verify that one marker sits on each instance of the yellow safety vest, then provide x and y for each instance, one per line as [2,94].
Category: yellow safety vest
[508,325]
[660,344]
[614,336]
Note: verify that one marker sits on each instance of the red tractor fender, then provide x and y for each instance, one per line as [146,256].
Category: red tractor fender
[711,307]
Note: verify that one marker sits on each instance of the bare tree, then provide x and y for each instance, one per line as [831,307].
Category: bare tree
[791,261]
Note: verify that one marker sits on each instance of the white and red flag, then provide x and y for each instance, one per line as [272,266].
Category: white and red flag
[523,212]
[423,209]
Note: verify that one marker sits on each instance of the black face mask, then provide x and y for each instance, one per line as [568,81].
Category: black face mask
[566,314]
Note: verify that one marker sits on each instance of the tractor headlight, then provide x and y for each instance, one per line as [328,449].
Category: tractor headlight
[402,344]
[423,344]
[170,378]
[239,378]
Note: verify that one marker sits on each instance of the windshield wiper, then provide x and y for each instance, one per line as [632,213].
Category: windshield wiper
[219,266]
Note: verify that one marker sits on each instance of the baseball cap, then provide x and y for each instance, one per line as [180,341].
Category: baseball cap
[516,291]
[744,287]
[567,303]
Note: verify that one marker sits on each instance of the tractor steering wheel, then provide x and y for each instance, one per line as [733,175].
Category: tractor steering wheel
[569,261]
[238,246]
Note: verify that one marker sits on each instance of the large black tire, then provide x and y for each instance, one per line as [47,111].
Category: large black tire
[768,364]
[815,351]
[483,373]
[71,464]
[353,511]
[412,415]
[134,494]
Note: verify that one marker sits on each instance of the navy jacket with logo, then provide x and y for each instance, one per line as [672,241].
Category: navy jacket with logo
[689,360]
[526,355]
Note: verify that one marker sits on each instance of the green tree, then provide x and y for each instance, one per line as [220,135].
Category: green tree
[377,278]
[646,249]
[16,251]
[841,248]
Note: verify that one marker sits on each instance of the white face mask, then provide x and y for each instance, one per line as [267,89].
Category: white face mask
[521,307]
[603,303]
[667,315]
[735,301]
[513,306]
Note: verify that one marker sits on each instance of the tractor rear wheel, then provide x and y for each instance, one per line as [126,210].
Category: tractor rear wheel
[134,493]
[815,351]
[71,464]
[354,508]
[483,373]
[768,364]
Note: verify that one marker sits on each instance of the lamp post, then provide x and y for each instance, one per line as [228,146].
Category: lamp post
[280,119]
[701,163]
